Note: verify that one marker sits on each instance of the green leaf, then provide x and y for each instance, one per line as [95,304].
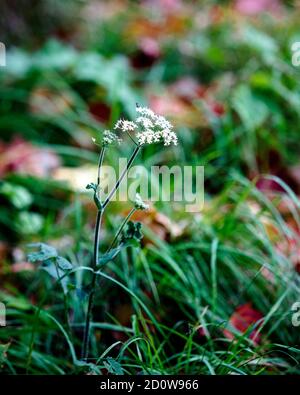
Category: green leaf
[19,62]
[17,195]
[251,109]
[132,243]
[131,237]
[63,263]
[55,55]
[132,232]
[3,352]
[260,41]
[113,366]
[44,252]
[28,223]
[51,267]
[110,255]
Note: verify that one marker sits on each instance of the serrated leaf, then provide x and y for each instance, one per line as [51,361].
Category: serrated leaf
[130,242]
[113,366]
[44,252]
[132,232]
[63,263]
[50,266]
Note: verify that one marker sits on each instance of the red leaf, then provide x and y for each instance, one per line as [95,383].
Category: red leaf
[244,317]
[20,156]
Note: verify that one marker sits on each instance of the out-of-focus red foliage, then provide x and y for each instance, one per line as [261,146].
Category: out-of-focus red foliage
[165,6]
[181,103]
[244,317]
[22,266]
[290,248]
[148,53]
[255,7]
[160,224]
[44,101]
[100,111]
[20,156]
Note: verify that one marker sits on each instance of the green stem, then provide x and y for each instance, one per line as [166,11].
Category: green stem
[86,336]
[121,228]
[116,187]
[65,301]
[101,156]
[132,139]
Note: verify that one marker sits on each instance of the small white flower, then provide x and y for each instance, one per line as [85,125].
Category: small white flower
[110,138]
[146,123]
[145,112]
[169,137]
[149,128]
[155,128]
[139,204]
[163,123]
[125,126]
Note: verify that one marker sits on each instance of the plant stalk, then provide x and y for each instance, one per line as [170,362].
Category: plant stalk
[132,211]
[86,337]
[115,188]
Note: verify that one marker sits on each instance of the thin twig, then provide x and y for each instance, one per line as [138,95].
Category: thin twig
[132,211]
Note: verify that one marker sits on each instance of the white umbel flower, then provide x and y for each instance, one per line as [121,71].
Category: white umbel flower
[110,138]
[139,204]
[149,128]
[144,122]
[125,126]
[145,111]
[155,128]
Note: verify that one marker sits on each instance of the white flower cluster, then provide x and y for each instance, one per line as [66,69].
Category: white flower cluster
[125,126]
[139,204]
[155,128]
[148,127]
[110,138]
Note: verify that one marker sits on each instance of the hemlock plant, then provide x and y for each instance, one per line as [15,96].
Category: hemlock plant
[148,128]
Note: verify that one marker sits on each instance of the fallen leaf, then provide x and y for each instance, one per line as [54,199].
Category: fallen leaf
[290,248]
[160,224]
[21,267]
[20,156]
[44,101]
[177,109]
[244,317]
[255,7]
[75,177]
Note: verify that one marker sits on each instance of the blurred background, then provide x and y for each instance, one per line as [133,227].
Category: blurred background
[222,72]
